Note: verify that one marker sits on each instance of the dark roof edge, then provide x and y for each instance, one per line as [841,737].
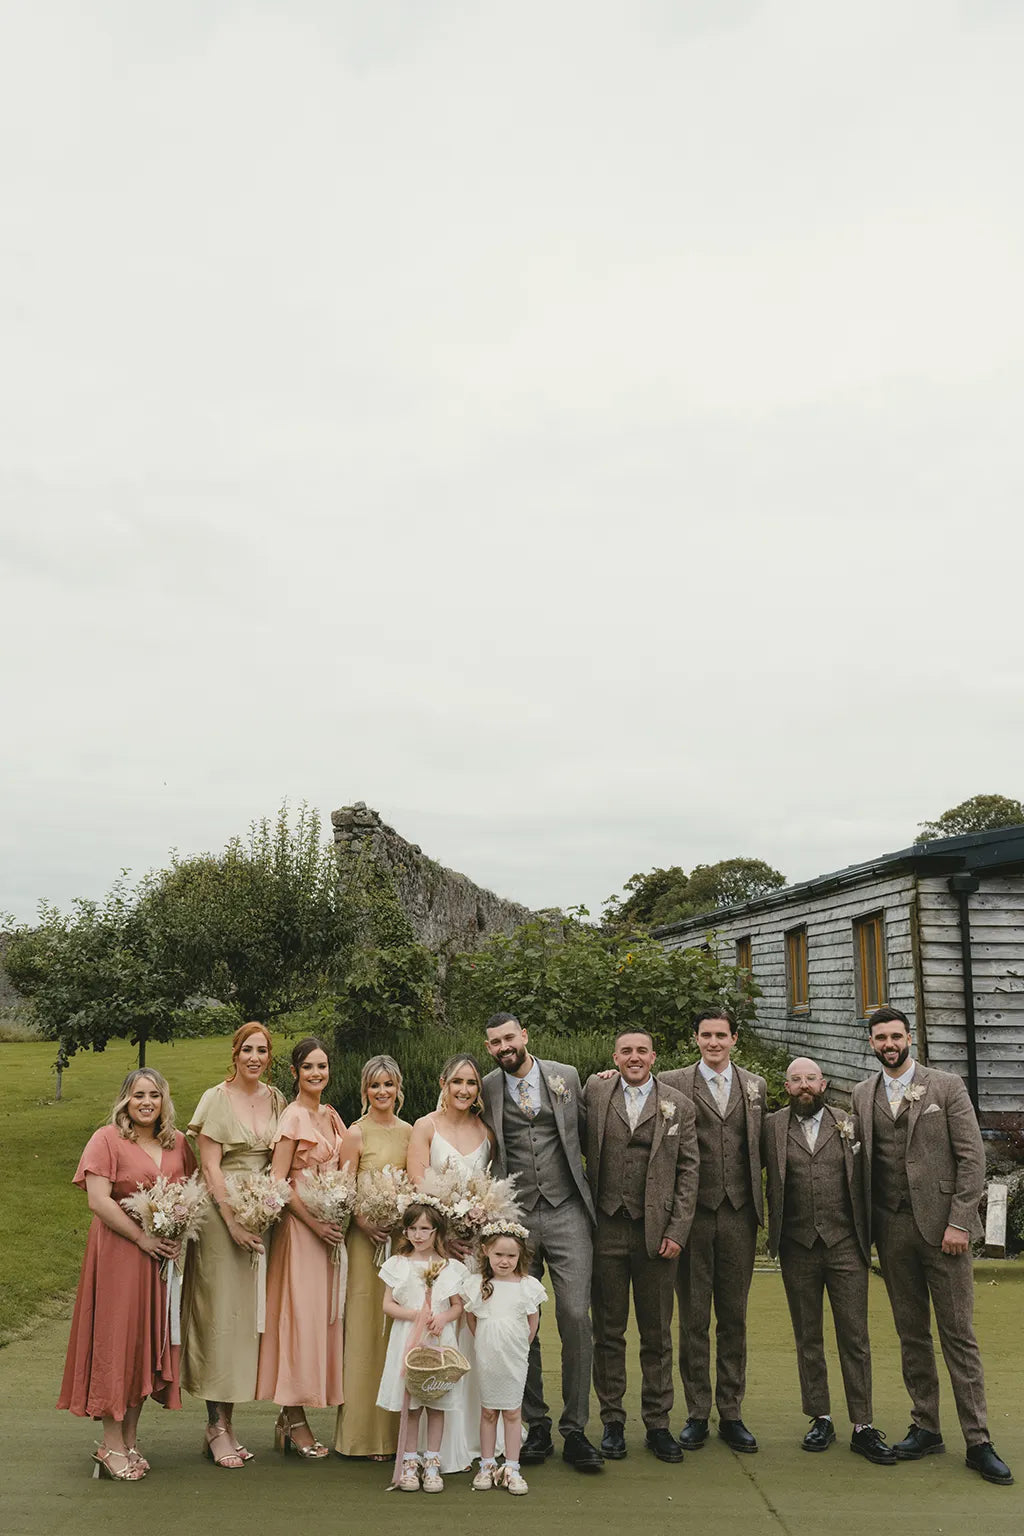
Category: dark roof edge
[985,852]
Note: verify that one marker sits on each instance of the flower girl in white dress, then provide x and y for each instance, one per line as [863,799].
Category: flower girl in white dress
[503,1310]
[419,1265]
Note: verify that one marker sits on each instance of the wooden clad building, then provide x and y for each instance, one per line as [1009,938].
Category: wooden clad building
[936,930]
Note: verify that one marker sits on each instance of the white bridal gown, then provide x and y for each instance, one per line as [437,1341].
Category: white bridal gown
[461,1444]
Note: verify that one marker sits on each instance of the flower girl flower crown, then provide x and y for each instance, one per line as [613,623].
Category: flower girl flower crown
[504,1229]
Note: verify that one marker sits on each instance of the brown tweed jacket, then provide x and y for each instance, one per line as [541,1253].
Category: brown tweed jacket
[670,1195]
[945,1152]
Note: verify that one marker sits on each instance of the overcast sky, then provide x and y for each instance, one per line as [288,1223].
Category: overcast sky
[588,432]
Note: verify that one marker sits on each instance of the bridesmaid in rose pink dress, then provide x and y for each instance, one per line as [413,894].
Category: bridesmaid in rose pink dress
[301,1350]
[120,1351]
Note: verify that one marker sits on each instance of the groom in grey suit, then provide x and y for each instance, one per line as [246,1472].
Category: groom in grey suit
[537,1113]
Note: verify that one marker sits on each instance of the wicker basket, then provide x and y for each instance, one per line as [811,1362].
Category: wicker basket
[431,1372]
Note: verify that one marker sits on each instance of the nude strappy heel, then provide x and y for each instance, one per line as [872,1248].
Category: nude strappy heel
[131,1472]
[283,1432]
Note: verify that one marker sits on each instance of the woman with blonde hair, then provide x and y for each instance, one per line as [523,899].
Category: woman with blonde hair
[378,1139]
[234,1124]
[120,1349]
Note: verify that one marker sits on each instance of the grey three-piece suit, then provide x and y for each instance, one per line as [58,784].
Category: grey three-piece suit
[545,1153]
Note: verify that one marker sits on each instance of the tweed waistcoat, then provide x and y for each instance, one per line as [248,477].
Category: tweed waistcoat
[724,1156]
[817,1201]
[625,1154]
[533,1150]
[889,1187]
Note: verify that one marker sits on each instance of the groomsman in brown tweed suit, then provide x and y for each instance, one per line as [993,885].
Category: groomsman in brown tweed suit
[818,1226]
[718,1261]
[642,1165]
[924,1172]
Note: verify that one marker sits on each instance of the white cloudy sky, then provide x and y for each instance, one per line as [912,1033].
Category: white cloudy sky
[589,432]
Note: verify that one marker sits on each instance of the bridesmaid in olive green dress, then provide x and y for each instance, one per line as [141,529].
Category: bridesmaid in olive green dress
[234,1125]
[373,1142]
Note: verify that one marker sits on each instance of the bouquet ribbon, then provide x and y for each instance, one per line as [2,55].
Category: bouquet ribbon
[259,1263]
[339,1260]
[172,1310]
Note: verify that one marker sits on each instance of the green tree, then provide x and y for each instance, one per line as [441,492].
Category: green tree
[87,980]
[981,813]
[669,895]
[260,925]
[568,976]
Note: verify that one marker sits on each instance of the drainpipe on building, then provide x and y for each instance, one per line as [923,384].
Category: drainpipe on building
[961,887]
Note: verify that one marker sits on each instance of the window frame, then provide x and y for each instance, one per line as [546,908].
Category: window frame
[745,954]
[870,922]
[798,990]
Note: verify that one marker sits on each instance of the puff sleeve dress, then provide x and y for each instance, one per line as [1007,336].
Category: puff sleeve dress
[502,1336]
[405,1277]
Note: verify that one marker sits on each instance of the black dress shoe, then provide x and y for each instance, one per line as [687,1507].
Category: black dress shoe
[918,1442]
[613,1442]
[982,1458]
[820,1435]
[579,1452]
[537,1446]
[693,1434]
[869,1442]
[664,1445]
[736,1435]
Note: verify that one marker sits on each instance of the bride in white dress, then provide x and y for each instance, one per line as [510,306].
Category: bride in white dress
[455,1136]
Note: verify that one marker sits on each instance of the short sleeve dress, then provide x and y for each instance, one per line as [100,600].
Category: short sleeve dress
[405,1277]
[301,1351]
[120,1351]
[219,1342]
[502,1336]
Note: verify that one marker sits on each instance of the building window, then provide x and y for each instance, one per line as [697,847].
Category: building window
[869,962]
[796,970]
[743,956]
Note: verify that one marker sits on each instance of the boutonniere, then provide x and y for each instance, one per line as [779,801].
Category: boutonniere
[913,1093]
[556,1082]
[667,1109]
[753,1094]
[846,1132]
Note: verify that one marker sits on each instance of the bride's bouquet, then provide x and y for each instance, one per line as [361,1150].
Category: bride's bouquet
[257,1200]
[329,1195]
[472,1199]
[174,1209]
[382,1195]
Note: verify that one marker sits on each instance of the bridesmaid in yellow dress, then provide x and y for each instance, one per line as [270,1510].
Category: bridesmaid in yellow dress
[373,1142]
[234,1124]
[301,1353]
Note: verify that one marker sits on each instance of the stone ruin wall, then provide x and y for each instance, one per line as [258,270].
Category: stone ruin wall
[447,911]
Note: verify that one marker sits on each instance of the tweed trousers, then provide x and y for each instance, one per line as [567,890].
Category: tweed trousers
[621,1261]
[913,1271]
[806,1274]
[716,1266]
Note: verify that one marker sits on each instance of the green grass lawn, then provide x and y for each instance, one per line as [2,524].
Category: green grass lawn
[43,1217]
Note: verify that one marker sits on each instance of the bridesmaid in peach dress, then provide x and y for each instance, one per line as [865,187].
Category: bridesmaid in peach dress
[301,1351]
[120,1350]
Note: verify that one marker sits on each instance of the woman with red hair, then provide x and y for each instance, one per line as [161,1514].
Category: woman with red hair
[234,1124]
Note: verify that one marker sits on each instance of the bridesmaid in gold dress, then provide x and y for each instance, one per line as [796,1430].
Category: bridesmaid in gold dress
[234,1124]
[373,1142]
